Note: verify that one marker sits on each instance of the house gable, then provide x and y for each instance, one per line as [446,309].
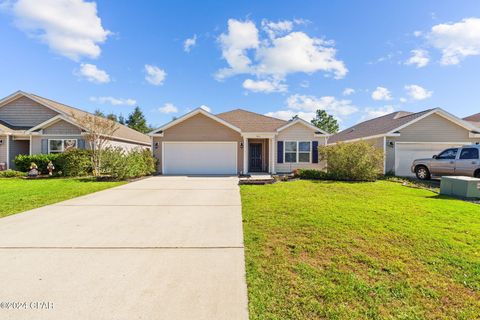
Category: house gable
[62,127]
[25,112]
[200,128]
[432,128]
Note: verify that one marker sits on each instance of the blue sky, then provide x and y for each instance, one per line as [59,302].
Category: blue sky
[279,58]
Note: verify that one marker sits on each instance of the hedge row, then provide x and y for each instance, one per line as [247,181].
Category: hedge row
[115,163]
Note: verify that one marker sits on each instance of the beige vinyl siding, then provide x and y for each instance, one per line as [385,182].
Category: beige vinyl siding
[62,127]
[297,132]
[124,145]
[198,128]
[435,129]
[18,147]
[25,112]
[37,141]
[3,149]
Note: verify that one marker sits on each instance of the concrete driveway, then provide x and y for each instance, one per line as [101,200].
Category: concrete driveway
[160,248]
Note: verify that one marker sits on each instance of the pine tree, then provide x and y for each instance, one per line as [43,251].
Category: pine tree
[136,120]
[325,122]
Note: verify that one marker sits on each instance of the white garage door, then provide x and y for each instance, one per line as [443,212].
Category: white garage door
[200,157]
[405,153]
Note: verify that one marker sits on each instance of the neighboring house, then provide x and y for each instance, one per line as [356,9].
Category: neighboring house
[235,142]
[30,124]
[406,136]
[474,119]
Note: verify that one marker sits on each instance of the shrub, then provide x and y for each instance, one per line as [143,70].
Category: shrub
[312,174]
[122,165]
[75,163]
[23,162]
[354,161]
[12,174]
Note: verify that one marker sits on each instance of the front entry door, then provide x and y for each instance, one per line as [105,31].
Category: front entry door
[255,155]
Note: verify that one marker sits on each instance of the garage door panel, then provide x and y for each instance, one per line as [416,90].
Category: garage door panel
[200,158]
[405,153]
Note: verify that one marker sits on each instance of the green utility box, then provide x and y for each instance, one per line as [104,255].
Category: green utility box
[463,187]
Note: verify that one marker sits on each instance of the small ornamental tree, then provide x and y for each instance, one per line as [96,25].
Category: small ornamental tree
[98,131]
[354,161]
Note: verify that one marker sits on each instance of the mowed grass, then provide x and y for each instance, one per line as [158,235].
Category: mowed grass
[336,250]
[17,195]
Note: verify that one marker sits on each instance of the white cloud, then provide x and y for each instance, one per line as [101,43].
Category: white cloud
[240,37]
[274,29]
[168,108]
[348,91]
[206,108]
[275,56]
[93,74]
[289,114]
[155,75]
[330,104]
[417,93]
[71,28]
[264,86]
[305,107]
[457,40]
[114,101]
[305,84]
[419,58]
[370,113]
[189,43]
[403,100]
[381,93]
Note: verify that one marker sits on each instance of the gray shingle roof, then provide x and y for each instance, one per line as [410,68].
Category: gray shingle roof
[123,132]
[377,126]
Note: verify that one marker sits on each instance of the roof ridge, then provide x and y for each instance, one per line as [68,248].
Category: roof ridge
[78,109]
[252,112]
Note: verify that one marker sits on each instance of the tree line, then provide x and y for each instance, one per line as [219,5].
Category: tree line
[136,119]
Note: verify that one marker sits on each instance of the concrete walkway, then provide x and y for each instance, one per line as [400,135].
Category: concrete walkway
[160,248]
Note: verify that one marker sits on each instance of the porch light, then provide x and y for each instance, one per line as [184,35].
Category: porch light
[241,145]
[1,142]
[156,145]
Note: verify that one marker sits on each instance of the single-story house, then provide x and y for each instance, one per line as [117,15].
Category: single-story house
[474,119]
[30,124]
[235,142]
[406,136]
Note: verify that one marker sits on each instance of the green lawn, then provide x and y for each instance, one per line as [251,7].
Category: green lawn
[336,250]
[17,195]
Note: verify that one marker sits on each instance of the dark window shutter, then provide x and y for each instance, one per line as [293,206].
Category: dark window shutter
[44,146]
[81,144]
[314,151]
[280,151]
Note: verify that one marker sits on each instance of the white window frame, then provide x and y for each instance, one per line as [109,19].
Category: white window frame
[298,151]
[63,144]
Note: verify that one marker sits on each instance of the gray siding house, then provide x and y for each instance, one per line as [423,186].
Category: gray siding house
[30,124]
[405,136]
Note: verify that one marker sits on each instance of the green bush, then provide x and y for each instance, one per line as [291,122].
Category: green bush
[23,162]
[121,165]
[354,161]
[312,174]
[75,163]
[12,174]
